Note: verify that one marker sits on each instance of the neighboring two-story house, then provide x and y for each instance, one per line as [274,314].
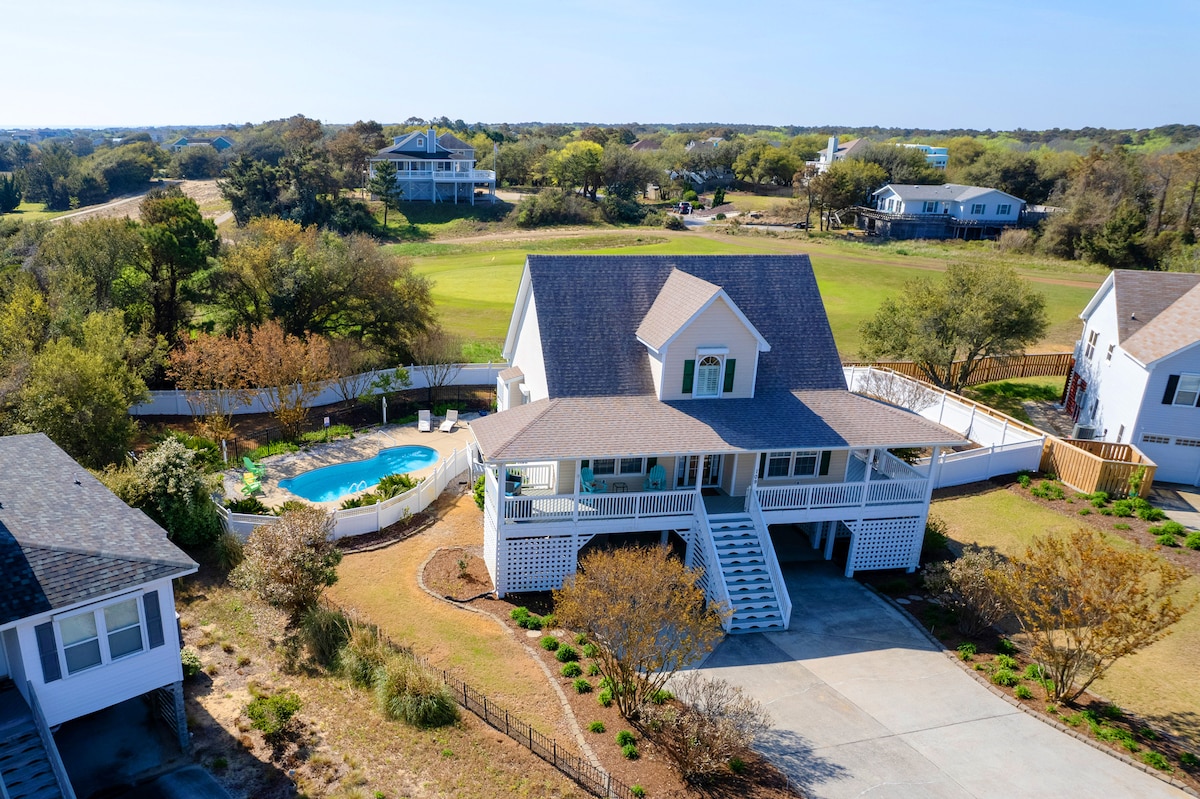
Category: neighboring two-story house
[939,212]
[701,399]
[436,168]
[87,612]
[1136,378]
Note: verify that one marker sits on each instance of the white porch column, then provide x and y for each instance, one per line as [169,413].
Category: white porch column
[830,535]
[575,498]
[700,461]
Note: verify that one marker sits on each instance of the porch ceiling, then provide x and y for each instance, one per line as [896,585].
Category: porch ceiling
[615,426]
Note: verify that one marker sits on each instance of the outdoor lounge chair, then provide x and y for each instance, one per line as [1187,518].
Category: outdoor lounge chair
[589,483]
[252,467]
[656,480]
[424,421]
[250,485]
[451,420]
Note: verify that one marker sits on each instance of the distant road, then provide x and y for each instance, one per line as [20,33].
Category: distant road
[204,192]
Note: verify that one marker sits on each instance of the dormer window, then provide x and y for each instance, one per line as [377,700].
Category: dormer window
[708,377]
[420,142]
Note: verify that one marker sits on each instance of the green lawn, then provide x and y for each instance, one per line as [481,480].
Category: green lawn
[1008,396]
[475,284]
[34,212]
[1161,682]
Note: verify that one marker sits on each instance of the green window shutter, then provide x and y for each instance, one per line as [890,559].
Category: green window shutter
[729,365]
[48,652]
[1172,384]
[825,462]
[689,376]
[154,625]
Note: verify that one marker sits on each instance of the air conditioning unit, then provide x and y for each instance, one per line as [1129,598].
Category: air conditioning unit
[1083,432]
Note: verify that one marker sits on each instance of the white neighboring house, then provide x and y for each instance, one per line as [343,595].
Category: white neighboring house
[1136,378]
[837,151]
[87,611]
[936,157]
[435,168]
[947,211]
[699,401]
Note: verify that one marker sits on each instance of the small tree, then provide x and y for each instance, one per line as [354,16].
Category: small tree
[713,723]
[288,563]
[967,585]
[384,186]
[647,614]
[354,368]
[290,371]
[170,488]
[1085,604]
[213,370]
[439,355]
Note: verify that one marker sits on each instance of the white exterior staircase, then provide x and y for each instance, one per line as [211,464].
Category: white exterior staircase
[751,578]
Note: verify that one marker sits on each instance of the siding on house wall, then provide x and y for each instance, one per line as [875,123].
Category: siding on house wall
[86,692]
[838,459]
[1176,463]
[527,353]
[717,326]
[12,651]
[991,200]
[1117,384]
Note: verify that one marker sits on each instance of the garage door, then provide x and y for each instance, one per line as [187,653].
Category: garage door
[1178,459]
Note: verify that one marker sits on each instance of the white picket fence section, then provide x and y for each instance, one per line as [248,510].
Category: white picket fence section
[371,518]
[1005,444]
[177,402]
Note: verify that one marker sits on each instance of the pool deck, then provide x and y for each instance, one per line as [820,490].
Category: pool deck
[362,446]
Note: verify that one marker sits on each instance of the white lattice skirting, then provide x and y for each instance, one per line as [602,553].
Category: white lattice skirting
[535,564]
[885,544]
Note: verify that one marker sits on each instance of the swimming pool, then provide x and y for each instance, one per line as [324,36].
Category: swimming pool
[334,482]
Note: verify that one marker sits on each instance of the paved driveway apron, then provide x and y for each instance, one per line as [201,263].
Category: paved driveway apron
[864,706]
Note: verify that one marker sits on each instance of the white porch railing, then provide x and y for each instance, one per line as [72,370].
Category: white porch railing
[537,475]
[598,507]
[768,548]
[826,495]
[896,492]
[56,763]
[712,580]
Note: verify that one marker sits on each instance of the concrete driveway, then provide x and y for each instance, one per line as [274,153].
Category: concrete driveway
[864,706]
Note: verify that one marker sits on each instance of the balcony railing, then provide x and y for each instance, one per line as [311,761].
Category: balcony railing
[473,175]
[597,507]
[841,495]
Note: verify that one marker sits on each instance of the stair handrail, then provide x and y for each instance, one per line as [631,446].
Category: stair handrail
[716,577]
[754,508]
[56,764]
[3,790]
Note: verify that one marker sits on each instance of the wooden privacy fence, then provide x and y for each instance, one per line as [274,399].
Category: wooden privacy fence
[988,370]
[1091,466]
[566,759]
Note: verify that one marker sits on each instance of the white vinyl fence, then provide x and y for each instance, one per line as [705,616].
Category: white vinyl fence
[177,402]
[1005,444]
[371,518]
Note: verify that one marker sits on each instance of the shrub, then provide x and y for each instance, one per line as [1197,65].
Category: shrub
[480,491]
[1034,672]
[549,643]
[1047,490]
[661,696]
[170,488]
[1084,511]
[553,207]
[1023,692]
[596,726]
[1189,760]
[1099,498]
[580,638]
[637,791]
[393,485]
[549,621]
[967,650]
[362,655]
[936,536]
[571,670]
[671,222]
[625,737]
[1166,540]
[1123,508]
[629,752]
[566,654]
[290,562]
[605,697]
[1024,480]
[965,586]
[1168,528]
[593,670]
[407,691]
[1005,677]
[324,633]
[247,505]
[1150,514]
[737,765]
[590,650]
[582,686]
[190,659]
[1005,646]
[1005,661]
[361,501]
[272,715]
[690,196]
[1192,541]
[1156,760]
[289,506]
[229,551]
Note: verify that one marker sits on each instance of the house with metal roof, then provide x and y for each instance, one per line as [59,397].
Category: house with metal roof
[939,212]
[218,143]
[435,168]
[1136,378]
[87,611]
[700,401]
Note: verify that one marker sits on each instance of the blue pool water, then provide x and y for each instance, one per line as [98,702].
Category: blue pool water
[334,482]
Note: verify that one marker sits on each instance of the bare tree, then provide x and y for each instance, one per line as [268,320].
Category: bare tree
[438,354]
[355,368]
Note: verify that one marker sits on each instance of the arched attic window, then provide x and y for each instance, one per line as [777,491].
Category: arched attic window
[708,377]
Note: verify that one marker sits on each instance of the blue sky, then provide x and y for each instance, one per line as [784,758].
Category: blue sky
[972,64]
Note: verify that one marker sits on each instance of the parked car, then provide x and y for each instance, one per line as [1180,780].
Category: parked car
[684,208]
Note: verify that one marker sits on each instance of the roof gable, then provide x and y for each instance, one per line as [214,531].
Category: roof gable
[949,192]
[1175,328]
[591,307]
[1142,296]
[682,299]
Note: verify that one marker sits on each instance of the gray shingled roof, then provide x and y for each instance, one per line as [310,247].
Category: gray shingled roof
[590,306]
[1142,296]
[1175,328]
[615,426]
[65,538]
[678,301]
[947,192]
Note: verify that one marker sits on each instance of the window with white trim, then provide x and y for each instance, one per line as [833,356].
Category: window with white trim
[632,465]
[1187,390]
[778,464]
[708,377]
[1004,209]
[1150,438]
[803,463]
[1090,349]
[978,208]
[931,206]
[1108,355]
[81,641]
[604,466]
[101,635]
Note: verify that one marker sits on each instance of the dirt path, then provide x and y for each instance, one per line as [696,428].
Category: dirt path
[204,192]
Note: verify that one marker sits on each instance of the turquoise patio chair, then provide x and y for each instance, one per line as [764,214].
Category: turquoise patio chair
[258,471]
[589,483]
[656,480]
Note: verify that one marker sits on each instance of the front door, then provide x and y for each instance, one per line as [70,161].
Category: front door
[1077,388]
[685,471]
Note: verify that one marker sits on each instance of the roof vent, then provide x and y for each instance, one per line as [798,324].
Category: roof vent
[1133,316]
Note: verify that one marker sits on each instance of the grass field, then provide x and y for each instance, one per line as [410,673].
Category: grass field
[475,284]
[1009,396]
[1159,683]
[34,212]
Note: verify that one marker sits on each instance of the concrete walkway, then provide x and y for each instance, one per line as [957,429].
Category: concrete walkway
[864,706]
[1180,502]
